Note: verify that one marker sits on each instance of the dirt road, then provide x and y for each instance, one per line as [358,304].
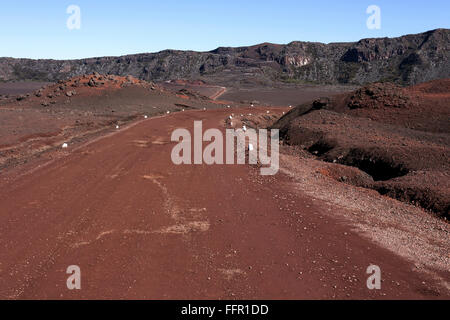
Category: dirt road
[220,93]
[141,227]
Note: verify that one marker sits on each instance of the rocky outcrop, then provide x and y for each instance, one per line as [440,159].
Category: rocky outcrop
[397,137]
[409,59]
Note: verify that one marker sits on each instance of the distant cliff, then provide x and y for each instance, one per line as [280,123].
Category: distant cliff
[409,59]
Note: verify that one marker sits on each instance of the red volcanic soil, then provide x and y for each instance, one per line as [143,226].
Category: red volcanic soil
[140,227]
[282,95]
[433,87]
[425,107]
[195,87]
[399,136]
[74,110]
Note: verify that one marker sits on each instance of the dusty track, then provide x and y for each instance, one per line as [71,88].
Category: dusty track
[141,227]
[222,91]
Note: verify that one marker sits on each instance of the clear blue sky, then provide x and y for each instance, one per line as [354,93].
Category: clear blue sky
[37,29]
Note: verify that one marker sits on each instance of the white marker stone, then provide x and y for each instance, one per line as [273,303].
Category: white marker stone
[65,146]
[145,117]
[250,147]
[244,128]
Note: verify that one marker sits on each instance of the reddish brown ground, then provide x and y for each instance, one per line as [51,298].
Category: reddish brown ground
[73,111]
[141,227]
[200,87]
[282,95]
[399,136]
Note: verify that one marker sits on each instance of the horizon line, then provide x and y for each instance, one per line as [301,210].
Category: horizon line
[220,47]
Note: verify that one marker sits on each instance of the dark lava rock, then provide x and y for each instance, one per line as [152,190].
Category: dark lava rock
[409,59]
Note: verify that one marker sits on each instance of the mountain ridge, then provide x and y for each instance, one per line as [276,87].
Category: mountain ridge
[408,59]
